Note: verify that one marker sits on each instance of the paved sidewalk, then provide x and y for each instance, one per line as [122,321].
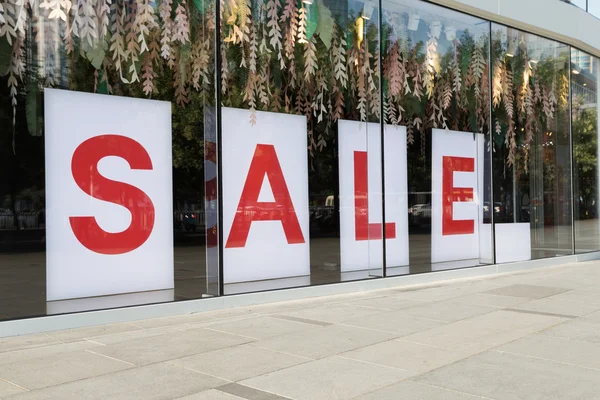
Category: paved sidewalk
[533,335]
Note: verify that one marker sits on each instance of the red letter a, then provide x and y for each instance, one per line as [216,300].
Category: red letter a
[264,162]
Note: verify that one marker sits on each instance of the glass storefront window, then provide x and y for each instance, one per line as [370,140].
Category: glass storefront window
[584,92]
[532,158]
[107,121]
[301,132]
[436,84]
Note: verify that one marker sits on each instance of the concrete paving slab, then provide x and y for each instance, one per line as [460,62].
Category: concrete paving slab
[153,382]
[44,351]
[511,377]
[417,390]
[396,323]
[484,331]
[261,327]
[73,335]
[9,389]
[26,342]
[576,330]
[332,378]
[447,311]
[239,362]
[562,350]
[528,291]
[558,305]
[211,395]
[404,355]
[324,342]
[56,369]
[170,346]
[331,312]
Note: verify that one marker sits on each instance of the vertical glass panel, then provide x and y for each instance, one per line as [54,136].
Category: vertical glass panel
[301,143]
[594,7]
[584,91]
[579,3]
[532,158]
[436,86]
[103,106]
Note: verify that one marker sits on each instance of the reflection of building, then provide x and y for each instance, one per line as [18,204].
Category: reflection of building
[584,78]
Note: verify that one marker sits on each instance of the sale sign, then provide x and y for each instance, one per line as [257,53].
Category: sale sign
[265,196]
[457,187]
[109,199]
[361,212]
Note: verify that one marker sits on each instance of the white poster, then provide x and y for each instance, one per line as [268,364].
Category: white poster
[108,195]
[457,189]
[361,196]
[513,242]
[265,196]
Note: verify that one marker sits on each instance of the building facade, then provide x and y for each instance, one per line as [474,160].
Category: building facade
[168,151]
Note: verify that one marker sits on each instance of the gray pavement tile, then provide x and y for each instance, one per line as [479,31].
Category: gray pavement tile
[512,377]
[303,320]
[137,334]
[584,354]
[44,351]
[173,321]
[447,311]
[170,346]
[593,318]
[484,331]
[577,329]
[9,389]
[153,382]
[261,327]
[25,342]
[560,305]
[211,394]
[408,356]
[431,294]
[73,335]
[59,368]
[324,342]
[528,291]
[249,393]
[580,296]
[332,378]
[332,312]
[548,314]
[394,322]
[489,300]
[386,303]
[416,391]
[239,362]
[230,313]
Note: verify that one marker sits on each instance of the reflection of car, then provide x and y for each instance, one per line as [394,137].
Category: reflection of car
[424,211]
[414,210]
[419,214]
[322,219]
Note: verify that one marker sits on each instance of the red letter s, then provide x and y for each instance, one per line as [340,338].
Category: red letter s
[84,167]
